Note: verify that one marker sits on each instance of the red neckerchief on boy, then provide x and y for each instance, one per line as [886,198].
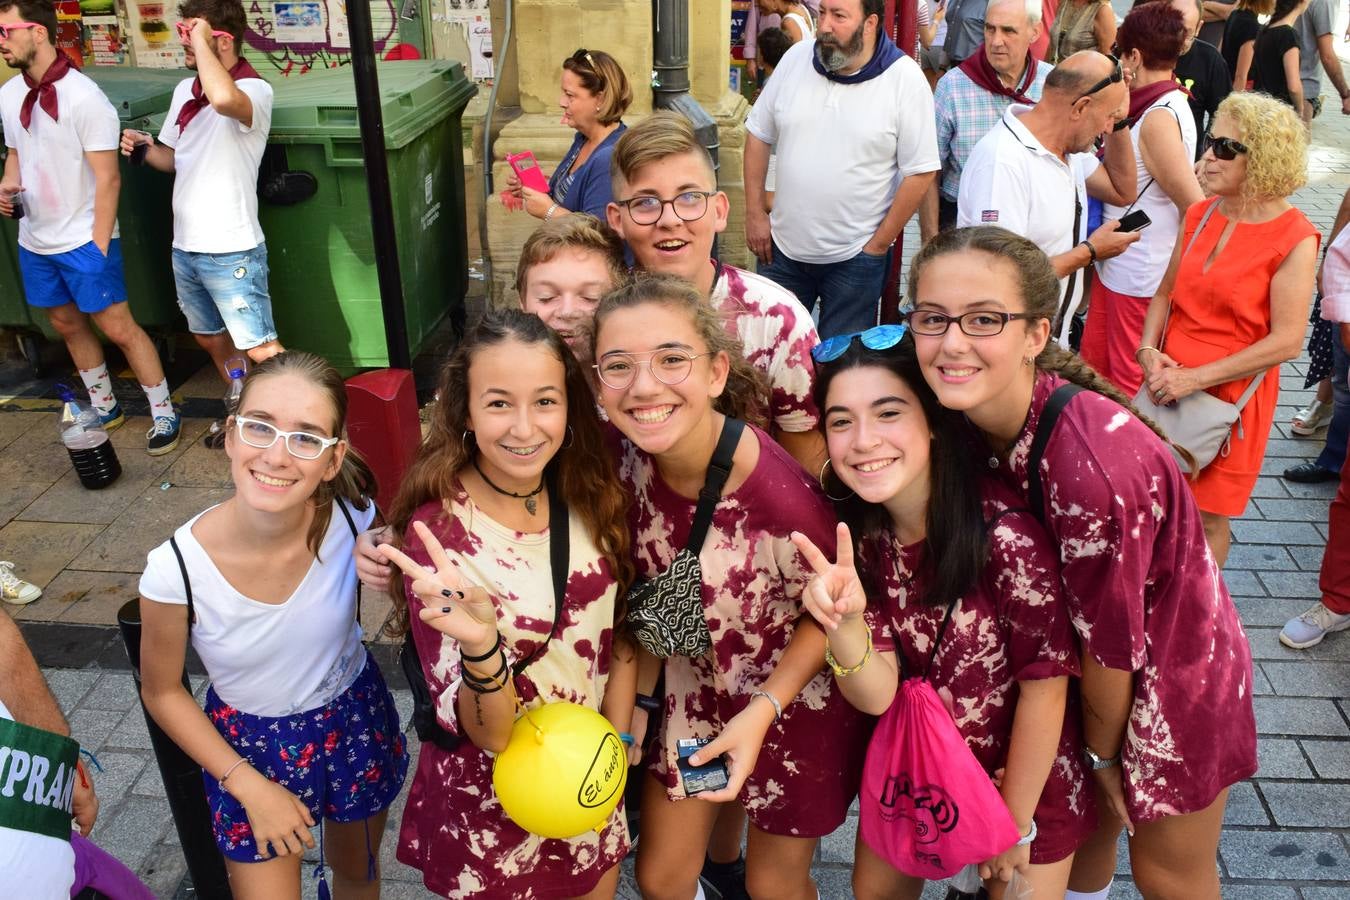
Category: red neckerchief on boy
[44,91]
[977,69]
[241,69]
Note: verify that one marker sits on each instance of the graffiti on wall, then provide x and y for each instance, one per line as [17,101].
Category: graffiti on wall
[296,37]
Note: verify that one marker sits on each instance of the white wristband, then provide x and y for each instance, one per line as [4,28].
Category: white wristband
[1029,837]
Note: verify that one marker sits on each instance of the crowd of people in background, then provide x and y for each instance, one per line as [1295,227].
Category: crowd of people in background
[754,507]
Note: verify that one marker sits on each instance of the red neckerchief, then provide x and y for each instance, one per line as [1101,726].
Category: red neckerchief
[977,69]
[44,91]
[1142,98]
[241,69]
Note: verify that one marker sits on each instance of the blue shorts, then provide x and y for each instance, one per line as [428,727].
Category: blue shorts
[226,291]
[83,276]
[346,761]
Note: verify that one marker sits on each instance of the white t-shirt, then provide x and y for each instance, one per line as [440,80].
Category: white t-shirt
[1012,181]
[270,659]
[842,151]
[215,188]
[45,866]
[58,182]
[1139,270]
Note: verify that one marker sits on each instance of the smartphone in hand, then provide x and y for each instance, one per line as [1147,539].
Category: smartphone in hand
[1135,221]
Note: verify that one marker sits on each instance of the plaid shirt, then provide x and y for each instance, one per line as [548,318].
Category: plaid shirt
[965,113]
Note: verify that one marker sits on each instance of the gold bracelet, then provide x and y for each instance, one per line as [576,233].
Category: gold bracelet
[842,671]
[1146,347]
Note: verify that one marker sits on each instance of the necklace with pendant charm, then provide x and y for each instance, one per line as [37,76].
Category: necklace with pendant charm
[531,501]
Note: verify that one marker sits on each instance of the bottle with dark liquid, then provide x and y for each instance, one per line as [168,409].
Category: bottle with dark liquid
[91,452]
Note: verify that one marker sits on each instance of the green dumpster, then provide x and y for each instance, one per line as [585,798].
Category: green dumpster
[325,292]
[144,212]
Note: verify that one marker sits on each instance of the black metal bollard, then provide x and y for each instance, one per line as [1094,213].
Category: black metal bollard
[182,780]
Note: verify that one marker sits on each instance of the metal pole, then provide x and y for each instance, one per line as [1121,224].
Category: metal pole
[377,184]
[182,780]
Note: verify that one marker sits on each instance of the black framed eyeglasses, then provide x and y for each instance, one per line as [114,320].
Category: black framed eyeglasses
[879,337]
[668,365]
[1117,75]
[1223,148]
[300,444]
[689,206]
[979,323]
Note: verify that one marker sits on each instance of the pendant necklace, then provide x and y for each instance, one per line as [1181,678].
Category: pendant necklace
[531,504]
[996,459]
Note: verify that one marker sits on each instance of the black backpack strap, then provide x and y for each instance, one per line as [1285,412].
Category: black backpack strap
[1044,428]
[351,523]
[719,470]
[559,562]
[187,582]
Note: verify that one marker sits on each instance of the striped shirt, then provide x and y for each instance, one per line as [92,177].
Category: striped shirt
[965,113]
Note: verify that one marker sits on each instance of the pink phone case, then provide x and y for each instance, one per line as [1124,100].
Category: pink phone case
[527,170]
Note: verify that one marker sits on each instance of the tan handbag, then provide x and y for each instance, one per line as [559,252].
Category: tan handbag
[1201,423]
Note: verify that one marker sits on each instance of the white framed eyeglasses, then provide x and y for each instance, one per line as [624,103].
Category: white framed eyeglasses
[300,444]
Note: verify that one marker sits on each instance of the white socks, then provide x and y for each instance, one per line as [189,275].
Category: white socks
[98,383]
[158,395]
[1089,895]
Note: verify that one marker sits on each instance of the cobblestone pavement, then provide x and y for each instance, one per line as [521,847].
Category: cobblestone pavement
[1286,830]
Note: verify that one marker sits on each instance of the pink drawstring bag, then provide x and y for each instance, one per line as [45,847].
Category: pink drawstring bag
[928,807]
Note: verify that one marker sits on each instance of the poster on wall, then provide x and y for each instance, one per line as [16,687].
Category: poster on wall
[103,44]
[70,30]
[298,23]
[338,35]
[473,18]
[152,39]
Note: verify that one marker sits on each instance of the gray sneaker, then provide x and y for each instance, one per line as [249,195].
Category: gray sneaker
[1308,629]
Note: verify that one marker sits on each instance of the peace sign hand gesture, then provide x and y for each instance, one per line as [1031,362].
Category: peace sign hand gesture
[835,595]
[451,604]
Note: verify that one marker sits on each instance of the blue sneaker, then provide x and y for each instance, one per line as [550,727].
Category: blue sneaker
[163,435]
[113,418]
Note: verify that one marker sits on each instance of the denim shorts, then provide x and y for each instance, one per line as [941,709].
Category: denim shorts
[83,276]
[346,761]
[226,291]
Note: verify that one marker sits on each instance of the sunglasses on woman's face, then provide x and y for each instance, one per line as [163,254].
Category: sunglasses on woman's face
[1224,148]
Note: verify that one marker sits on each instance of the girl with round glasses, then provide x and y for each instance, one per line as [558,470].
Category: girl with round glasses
[299,729]
[745,667]
[955,582]
[1146,598]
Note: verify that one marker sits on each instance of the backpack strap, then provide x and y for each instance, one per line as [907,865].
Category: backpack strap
[187,582]
[719,470]
[559,560]
[1044,428]
[351,524]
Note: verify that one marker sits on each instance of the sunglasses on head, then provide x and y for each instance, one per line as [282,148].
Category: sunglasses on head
[16,26]
[185,32]
[880,337]
[584,56]
[1117,75]
[1224,148]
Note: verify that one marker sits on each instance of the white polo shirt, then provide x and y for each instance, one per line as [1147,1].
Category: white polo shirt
[842,151]
[58,182]
[1012,181]
[215,187]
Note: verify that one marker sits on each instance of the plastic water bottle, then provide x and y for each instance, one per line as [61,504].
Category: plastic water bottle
[236,388]
[91,452]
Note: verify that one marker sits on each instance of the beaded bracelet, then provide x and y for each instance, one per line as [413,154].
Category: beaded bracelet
[845,671]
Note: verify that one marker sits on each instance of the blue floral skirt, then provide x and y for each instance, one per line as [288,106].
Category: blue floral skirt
[346,760]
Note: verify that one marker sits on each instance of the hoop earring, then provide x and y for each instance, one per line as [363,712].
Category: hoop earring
[464,438]
[821,479]
[571,439]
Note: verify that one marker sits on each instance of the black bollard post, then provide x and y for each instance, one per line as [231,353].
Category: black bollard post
[182,780]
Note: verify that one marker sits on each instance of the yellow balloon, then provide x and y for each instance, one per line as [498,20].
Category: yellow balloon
[562,772]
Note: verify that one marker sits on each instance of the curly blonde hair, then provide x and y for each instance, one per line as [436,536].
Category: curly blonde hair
[1277,143]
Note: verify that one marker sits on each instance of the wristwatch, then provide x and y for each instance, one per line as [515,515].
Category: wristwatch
[1096,763]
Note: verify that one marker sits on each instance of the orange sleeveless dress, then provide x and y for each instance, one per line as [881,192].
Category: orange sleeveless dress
[1217,313]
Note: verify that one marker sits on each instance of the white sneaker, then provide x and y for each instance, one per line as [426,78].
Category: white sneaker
[19,592]
[1308,629]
